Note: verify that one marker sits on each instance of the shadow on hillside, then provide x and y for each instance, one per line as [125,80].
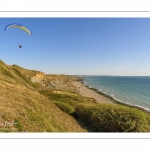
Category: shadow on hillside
[82,123]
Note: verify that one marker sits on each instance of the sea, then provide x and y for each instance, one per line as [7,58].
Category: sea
[131,90]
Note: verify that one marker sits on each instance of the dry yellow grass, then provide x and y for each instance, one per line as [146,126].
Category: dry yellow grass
[34,112]
[24,109]
[64,92]
[50,104]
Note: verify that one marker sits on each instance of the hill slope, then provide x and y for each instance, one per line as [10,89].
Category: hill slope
[31,101]
[23,108]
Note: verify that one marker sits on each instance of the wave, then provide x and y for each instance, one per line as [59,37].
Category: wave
[111,96]
[126,103]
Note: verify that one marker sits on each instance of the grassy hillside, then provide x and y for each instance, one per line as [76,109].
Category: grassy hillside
[22,108]
[12,74]
[67,101]
[113,118]
[100,117]
[33,102]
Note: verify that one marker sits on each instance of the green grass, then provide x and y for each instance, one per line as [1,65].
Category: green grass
[100,117]
[65,107]
[66,101]
[113,118]
[33,112]
[56,110]
[4,70]
[24,78]
[21,102]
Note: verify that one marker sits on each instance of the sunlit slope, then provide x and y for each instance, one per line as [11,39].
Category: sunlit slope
[12,75]
[100,117]
[31,101]
[22,108]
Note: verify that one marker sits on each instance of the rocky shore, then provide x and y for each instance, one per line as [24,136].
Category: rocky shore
[70,83]
[87,92]
[98,96]
[75,84]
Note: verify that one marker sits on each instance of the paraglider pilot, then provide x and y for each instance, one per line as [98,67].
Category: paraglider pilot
[20,46]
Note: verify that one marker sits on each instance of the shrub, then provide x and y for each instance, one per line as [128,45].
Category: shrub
[64,107]
[113,118]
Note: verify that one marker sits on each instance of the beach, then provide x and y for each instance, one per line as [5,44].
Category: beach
[91,93]
[101,97]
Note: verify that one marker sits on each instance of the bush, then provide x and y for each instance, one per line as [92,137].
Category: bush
[113,118]
[66,101]
[64,107]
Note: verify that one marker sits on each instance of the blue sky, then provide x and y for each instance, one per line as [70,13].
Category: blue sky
[79,46]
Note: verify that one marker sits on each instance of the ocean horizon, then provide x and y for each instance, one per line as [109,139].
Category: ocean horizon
[131,90]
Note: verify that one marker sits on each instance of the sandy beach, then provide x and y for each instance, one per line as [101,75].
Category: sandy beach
[87,92]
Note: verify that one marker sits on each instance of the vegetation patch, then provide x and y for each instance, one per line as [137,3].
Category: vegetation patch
[113,118]
[35,108]
[24,78]
[65,107]
[66,101]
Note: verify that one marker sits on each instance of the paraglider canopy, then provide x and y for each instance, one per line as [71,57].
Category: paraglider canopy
[15,25]
[22,27]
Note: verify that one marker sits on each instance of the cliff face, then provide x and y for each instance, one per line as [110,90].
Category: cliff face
[39,78]
[59,82]
[36,79]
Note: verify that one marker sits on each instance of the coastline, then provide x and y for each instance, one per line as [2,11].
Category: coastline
[91,92]
[101,97]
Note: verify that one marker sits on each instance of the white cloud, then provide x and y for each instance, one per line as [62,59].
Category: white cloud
[120,67]
[132,64]
[123,66]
